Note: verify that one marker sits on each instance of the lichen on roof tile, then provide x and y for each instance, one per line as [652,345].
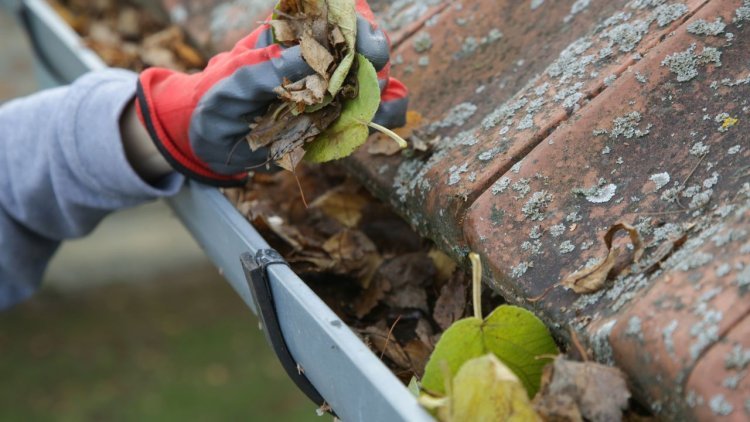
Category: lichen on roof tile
[704,27]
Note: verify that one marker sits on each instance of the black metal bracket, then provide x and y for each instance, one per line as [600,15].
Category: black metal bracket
[256,272]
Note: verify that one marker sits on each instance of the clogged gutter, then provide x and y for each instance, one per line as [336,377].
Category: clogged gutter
[387,283]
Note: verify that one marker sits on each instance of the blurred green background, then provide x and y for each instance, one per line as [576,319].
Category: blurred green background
[133,322]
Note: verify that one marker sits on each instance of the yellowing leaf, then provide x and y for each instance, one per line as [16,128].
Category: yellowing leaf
[517,337]
[484,390]
[350,130]
[342,13]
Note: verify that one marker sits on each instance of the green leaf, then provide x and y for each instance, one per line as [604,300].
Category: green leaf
[343,14]
[350,130]
[339,75]
[513,334]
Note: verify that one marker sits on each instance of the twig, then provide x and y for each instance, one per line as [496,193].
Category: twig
[299,185]
[577,343]
[684,183]
[388,338]
[544,293]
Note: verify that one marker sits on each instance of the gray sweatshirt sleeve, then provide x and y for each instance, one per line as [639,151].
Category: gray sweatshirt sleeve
[62,170]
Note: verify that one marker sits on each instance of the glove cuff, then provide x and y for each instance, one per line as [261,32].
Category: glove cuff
[175,145]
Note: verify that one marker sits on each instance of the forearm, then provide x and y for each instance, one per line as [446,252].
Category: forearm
[140,150]
[64,167]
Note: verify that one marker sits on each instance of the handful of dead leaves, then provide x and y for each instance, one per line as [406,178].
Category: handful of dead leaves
[326,115]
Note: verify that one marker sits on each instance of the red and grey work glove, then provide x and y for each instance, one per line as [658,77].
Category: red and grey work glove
[199,121]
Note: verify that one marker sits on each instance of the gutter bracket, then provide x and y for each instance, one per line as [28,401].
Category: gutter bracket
[256,273]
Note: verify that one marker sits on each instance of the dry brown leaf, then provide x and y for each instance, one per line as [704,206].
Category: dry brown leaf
[408,297]
[371,297]
[353,253]
[336,37]
[316,55]
[283,30]
[308,91]
[288,132]
[387,346]
[574,391]
[342,205]
[451,303]
[418,354]
[590,280]
[292,158]
[415,269]
[424,333]
[287,233]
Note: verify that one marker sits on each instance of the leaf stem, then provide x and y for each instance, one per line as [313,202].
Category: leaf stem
[391,134]
[476,283]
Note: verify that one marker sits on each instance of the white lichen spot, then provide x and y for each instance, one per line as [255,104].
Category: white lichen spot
[494,35]
[520,269]
[627,35]
[699,149]
[457,116]
[573,217]
[743,280]
[557,230]
[668,13]
[534,209]
[501,185]
[723,270]
[516,167]
[600,343]
[566,247]
[455,173]
[536,232]
[634,328]
[602,194]
[734,150]
[701,199]
[627,126]
[527,122]
[733,381]
[660,180]
[522,187]
[694,261]
[667,333]
[710,182]
[422,42]
[738,358]
[640,77]
[742,13]
[577,7]
[720,406]
[536,3]
[684,64]
[704,27]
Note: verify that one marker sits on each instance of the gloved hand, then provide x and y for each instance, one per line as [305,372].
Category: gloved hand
[197,121]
